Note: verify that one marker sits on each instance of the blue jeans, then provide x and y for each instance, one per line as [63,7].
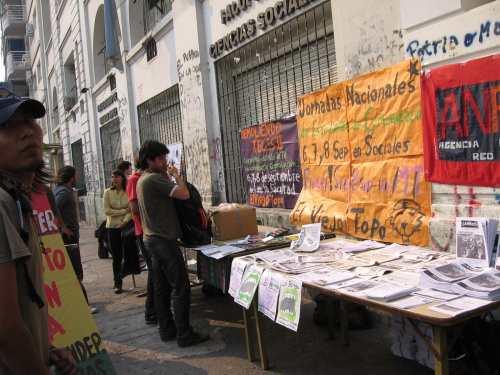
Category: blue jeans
[171,284]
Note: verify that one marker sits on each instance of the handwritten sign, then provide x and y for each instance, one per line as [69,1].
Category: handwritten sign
[271,164]
[70,322]
[362,157]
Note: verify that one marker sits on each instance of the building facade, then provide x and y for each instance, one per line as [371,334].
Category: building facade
[195,72]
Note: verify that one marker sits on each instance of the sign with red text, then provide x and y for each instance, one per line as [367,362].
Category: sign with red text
[461,106]
[70,323]
[362,157]
[270,154]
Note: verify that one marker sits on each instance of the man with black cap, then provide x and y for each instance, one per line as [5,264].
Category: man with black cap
[24,347]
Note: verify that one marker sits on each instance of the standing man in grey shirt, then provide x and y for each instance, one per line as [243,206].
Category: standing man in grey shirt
[155,194]
[66,205]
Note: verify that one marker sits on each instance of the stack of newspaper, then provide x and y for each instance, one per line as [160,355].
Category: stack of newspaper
[442,277]
[476,240]
[485,286]
[459,277]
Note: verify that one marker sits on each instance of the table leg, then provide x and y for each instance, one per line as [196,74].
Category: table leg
[248,338]
[441,356]
[260,341]
[344,323]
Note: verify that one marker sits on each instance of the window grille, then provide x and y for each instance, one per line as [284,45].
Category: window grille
[151,50]
[160,118]
[111,144]
[262,80]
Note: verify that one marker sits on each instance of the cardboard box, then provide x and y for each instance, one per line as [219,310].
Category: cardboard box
[231,221]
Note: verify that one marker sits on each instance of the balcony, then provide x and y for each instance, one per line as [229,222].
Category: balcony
[15,65]
[14,20]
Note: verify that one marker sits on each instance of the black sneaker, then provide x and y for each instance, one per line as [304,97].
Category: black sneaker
[193,338]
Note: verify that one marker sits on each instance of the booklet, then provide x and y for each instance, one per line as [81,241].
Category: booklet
[269,291]
[475,240]
[309,238]
[249,284]
[289,304]
[387,292]
[237,270]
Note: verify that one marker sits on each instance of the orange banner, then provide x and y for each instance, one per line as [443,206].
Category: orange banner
[362,157]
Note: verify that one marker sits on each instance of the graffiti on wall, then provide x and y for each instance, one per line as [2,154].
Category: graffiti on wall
[375,47]
[486,32]
[203,153]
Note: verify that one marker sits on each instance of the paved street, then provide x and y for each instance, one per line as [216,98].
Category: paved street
[136,348]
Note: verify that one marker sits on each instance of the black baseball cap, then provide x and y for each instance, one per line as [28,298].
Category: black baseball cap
[10,103]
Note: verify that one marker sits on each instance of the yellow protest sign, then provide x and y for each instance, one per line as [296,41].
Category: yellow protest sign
[362,157]
[70,323]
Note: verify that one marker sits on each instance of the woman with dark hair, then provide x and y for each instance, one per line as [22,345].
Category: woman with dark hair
[118,214]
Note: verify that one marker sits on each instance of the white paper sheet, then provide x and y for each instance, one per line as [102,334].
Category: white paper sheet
[269,291]
[289,304]
[309,238]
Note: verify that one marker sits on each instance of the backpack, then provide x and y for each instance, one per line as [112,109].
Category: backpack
[195,223]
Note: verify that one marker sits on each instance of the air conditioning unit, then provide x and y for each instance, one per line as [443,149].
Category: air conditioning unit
[30,30]
[69,102]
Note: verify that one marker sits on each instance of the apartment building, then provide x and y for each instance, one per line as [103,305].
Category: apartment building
[114,73]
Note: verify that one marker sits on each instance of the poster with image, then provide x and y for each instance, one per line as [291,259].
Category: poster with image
[289,304]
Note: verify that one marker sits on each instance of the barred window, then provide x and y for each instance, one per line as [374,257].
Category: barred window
[151,50]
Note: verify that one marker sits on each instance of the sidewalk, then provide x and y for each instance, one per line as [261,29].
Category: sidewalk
[135,348]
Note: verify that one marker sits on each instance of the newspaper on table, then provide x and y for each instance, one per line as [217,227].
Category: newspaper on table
[436,294]
[442,277]
[293,266]
[359,288]
[459,306]
[223,251]
[275,256]
[370,272]
[475,240]
[249,284]
[289,304]
[485,285]
[309,238]
[362,246]
[411,302]
[326,276]
[337,244]
[269,291]
[238,267]
[404,278]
